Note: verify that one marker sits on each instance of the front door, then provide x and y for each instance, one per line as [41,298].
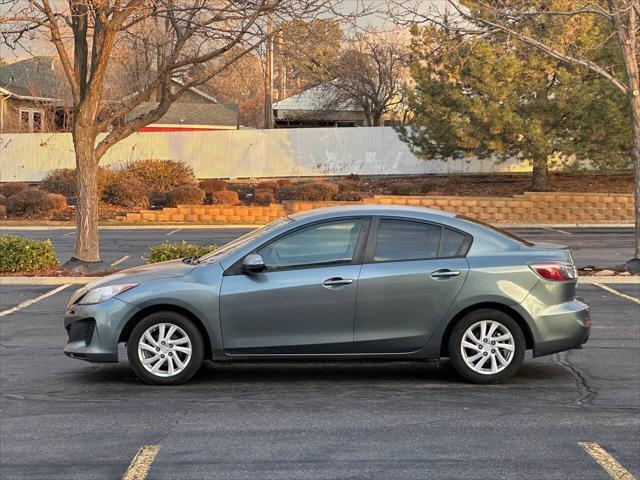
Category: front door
[413,272]
[304,302]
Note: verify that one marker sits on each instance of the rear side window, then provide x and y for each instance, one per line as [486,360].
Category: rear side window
[400,240]
[403,240]
[453,243]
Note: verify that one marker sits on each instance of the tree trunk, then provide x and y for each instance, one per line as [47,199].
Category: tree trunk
[87,240]
[635,154]
[540,176]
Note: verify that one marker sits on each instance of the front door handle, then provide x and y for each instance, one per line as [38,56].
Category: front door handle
[337,282]
[445,273]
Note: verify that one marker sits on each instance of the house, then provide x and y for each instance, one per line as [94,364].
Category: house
[309,108]
[35,97]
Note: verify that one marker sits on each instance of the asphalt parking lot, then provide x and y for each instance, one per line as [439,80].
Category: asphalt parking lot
[590,245]
[67,419]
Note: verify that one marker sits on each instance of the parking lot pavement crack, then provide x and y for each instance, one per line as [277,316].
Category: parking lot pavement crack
[586,391]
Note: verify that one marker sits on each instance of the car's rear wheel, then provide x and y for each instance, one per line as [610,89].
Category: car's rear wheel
[165,348]
[487,346]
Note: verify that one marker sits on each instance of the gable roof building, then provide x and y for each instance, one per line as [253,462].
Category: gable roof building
[35,97]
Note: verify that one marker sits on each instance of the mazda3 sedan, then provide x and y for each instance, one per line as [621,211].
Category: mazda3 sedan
[356,282]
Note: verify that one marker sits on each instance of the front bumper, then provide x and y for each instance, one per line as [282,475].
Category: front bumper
[93,330]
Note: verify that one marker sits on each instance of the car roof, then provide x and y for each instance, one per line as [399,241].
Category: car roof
[346,210]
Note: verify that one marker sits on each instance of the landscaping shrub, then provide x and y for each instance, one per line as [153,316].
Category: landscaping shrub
[213,185]
[127,192]
[283,182]
[10,189]
[160,175]
[348,187]
[226,197]
[173,251]
[347,196]
[352,177]
[3,211]
[58,202]
[314,191]
[185,195]
[263,197]
[405,188]
[33,203]
[159,200]
[267,185]
[18,254]
[63,181]
[3,199]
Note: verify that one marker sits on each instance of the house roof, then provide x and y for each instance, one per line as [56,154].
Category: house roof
[191,114]
[36,78]
[312,99]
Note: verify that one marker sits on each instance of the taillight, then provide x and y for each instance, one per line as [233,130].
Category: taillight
[555,271]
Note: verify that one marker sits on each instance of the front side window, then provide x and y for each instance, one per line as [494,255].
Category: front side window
[325,243]
[405,240]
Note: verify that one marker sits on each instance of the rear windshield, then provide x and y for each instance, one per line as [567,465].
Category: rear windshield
[497,230]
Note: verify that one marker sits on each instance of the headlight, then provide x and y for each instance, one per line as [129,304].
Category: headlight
[101,294]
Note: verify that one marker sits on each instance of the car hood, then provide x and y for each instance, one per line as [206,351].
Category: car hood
[144,273]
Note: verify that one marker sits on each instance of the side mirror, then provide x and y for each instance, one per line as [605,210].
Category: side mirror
[253,263]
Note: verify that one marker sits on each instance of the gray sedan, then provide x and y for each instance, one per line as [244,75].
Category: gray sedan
[357,282]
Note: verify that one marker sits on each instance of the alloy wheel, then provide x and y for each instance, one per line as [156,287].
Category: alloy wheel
[487,347]
[164,349]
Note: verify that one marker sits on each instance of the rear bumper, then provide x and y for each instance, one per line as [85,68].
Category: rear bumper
[560,327]
[93,330]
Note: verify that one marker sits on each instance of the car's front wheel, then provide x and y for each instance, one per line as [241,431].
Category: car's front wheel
[487,346]
[165,348]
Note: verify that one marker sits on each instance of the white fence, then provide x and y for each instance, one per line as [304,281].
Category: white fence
[246,153]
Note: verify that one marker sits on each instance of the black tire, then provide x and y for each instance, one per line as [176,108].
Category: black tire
[455,341]
[188,327]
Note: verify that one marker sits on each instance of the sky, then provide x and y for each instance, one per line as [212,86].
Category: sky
[39,44]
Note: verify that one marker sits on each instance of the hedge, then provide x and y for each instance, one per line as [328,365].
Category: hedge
[173,251]
[19,254]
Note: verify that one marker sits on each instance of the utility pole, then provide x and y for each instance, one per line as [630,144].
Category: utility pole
[268,76]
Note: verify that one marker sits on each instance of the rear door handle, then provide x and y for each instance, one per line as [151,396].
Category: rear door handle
[337,282]
[445,273]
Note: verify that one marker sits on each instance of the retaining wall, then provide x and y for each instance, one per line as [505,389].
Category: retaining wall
[556,207]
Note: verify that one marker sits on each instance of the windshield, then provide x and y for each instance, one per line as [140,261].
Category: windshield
[498,230]
[244,239]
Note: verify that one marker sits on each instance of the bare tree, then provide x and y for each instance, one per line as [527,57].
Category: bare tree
[369,74]
[527,21]
[174,38]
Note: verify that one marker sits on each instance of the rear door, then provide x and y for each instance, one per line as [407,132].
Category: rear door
[412,273]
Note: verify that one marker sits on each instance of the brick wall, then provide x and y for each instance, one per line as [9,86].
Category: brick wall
[554,207]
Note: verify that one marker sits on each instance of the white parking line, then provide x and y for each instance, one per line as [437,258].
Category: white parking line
[120,260]
[616,292]
[606,461]
[141,463]
[173,231]
[31,301]
[557,230]
[69,233]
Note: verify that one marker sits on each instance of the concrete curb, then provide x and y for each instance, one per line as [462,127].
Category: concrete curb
[82,280]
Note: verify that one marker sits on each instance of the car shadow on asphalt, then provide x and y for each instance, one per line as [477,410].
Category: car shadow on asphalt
[352,373]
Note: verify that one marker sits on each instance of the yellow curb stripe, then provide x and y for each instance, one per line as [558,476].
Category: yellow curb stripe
[606,461]
[141,463]
[31,301]
[616,292]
